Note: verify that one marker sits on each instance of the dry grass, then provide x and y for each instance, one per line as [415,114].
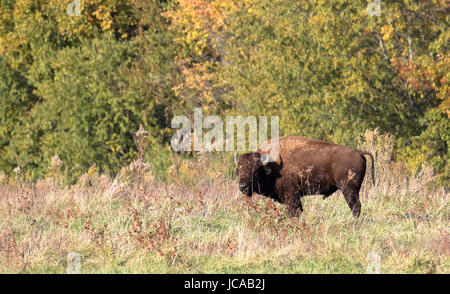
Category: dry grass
[199,223]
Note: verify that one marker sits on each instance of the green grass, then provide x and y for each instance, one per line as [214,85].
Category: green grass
[153,227]
[193,220]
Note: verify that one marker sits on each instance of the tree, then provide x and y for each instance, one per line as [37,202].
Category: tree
[79,86]
[326,67]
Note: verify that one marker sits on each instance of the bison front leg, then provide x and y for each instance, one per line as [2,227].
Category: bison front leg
[294,204]
[288,191]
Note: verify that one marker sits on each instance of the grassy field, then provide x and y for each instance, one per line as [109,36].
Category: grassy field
[197,222]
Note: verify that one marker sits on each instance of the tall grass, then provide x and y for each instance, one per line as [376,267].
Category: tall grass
[195,221]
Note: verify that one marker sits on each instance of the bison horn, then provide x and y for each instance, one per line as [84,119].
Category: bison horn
[265,159]
[236,157]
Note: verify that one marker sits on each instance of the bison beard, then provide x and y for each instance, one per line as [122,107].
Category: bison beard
[304,167]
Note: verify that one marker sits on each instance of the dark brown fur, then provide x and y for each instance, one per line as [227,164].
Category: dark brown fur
[305,167]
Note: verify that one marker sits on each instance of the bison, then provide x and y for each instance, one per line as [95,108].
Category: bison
[303,167]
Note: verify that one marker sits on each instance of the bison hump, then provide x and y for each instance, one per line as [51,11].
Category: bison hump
[283,147]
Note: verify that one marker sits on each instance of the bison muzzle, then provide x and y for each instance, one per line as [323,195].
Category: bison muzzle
[303,167]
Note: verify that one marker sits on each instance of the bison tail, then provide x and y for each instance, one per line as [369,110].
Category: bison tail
[373,165]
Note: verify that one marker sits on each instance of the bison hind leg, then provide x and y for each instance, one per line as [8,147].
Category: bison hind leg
[352,197]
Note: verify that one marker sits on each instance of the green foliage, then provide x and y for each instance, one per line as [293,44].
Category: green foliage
[331,71]
[16,100]
[80,85]
[81,117]
[433,144]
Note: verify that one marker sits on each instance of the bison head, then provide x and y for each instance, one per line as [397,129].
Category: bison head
[252,169]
